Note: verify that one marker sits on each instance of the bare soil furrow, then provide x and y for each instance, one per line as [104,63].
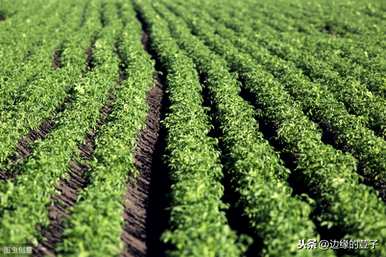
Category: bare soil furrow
[137,199]
[144,214]
[56,58]
[90,63]
[236,218]
[77,177]
[24,146]
[69,188]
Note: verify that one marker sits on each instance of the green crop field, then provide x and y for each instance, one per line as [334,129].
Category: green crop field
[193,128]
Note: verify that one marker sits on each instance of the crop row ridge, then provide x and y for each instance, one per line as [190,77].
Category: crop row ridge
[144,201]
[78,174]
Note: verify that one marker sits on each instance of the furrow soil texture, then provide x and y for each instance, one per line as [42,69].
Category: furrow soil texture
[56,58]
[137,200]
[140,128]
[69,189]
[141,202]
[90,60]
[24,147]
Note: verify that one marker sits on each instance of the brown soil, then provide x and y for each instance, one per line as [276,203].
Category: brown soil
[145,42]
[137,199]
[23,147]
[90,65]
[56,59]
[379,185]
[68,190]
[90,61]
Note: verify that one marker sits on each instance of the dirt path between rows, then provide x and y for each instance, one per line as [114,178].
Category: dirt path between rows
[144,200]
[69,188]
[138,201]
[24,147]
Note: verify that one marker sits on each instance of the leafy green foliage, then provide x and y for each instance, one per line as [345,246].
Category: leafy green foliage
[198,225]
[96,223]
[257,174]
[322,107]
[24,201]
[313,70]
[328,173]
[36,89]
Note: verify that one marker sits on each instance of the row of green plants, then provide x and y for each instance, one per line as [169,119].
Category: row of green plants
[357,99]
[25,199]
[355,95]
[333,52]
[212,56]
[366,50]
[18,79]
[96,222]
[18,41]
[256,173]
[197,225]
[348,130]
[341,20]
[31,96]
[329,175]
[371,57]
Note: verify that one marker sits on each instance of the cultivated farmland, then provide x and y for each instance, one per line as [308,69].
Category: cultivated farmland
[183,128]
